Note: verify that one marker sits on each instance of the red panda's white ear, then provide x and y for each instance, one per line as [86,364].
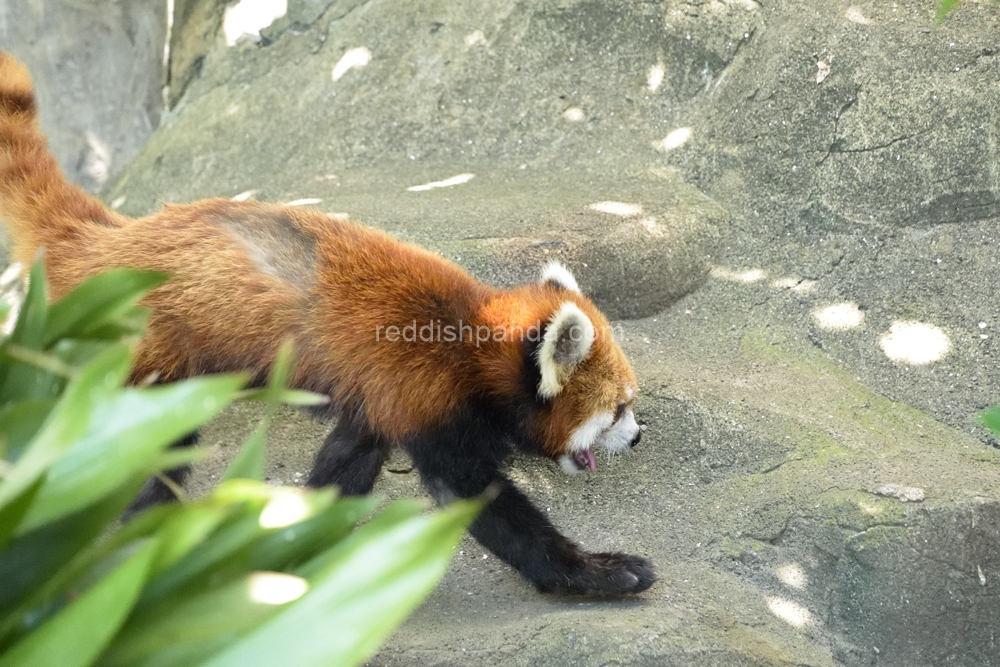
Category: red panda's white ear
[559,275]
[569,336]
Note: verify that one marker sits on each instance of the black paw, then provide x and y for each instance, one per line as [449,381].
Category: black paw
[609,574]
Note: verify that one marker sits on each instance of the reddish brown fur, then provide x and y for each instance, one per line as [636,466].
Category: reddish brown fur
[221,312]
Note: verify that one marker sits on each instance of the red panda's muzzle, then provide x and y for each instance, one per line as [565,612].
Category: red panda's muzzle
[584,460]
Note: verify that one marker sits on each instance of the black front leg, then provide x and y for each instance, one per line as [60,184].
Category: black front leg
[517,532]
[461,462]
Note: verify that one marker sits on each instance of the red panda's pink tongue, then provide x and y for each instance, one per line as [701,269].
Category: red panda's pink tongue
[585,459]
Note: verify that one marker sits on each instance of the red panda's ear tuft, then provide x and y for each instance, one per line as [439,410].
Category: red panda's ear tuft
[569,336]
[556,274]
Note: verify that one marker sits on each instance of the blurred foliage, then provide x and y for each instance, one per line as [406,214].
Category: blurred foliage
[991,419]
[249,575]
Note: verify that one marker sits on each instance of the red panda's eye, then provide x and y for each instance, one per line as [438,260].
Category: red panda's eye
[619,412]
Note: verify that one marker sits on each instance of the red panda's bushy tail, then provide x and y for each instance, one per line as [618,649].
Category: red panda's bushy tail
[37,204]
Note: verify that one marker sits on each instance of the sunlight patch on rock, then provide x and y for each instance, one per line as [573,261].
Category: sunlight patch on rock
[794,614]
[621,208]
[446,183]
[839,316]
[354,58]
[792,574]
[729,275]
[654,78]
[249,17]
[97,163]
[854,15]
[651,226]
[869,508]
[245,195]
[475,38]
[914,343]
[675,139]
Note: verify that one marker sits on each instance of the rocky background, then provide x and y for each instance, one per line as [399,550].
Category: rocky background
[791,209]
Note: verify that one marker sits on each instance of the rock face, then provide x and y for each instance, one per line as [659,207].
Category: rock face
[447,101]
[805,272]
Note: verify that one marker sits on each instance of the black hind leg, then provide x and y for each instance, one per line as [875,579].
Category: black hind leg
[351,457]
[155,491]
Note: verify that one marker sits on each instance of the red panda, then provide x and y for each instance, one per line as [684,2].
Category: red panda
[412,351]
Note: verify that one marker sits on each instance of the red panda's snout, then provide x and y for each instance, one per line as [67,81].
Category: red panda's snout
[612,432]
[587,380]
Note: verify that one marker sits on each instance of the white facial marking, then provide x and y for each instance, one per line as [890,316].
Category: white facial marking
[621,434]
[585,436]
[602,431]
[568,465]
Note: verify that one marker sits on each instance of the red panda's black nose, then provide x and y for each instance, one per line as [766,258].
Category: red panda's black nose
[636,439]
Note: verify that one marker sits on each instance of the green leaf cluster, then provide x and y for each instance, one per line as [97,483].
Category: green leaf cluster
[251,574]
[991,419]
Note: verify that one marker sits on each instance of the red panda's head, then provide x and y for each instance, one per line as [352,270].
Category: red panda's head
[586,388]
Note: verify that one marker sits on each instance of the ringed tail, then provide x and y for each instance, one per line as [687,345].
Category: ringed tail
[37,203]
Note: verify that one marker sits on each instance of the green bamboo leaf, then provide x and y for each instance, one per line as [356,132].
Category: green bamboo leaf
[300,542]
[197,626]
[40,361]
[67,421]
[396,513]
[20,381]
[991,419]
[126,435]
[187,529]
[250,539]
[19,423]
[12,513]
[34,311]
[249,462]
[381,575]
[97,301]
[78,633]
[221,551]
[39,567]
[130,324]
[176,457]
[286,396]
[144,524]
[77,352]
[239,498]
